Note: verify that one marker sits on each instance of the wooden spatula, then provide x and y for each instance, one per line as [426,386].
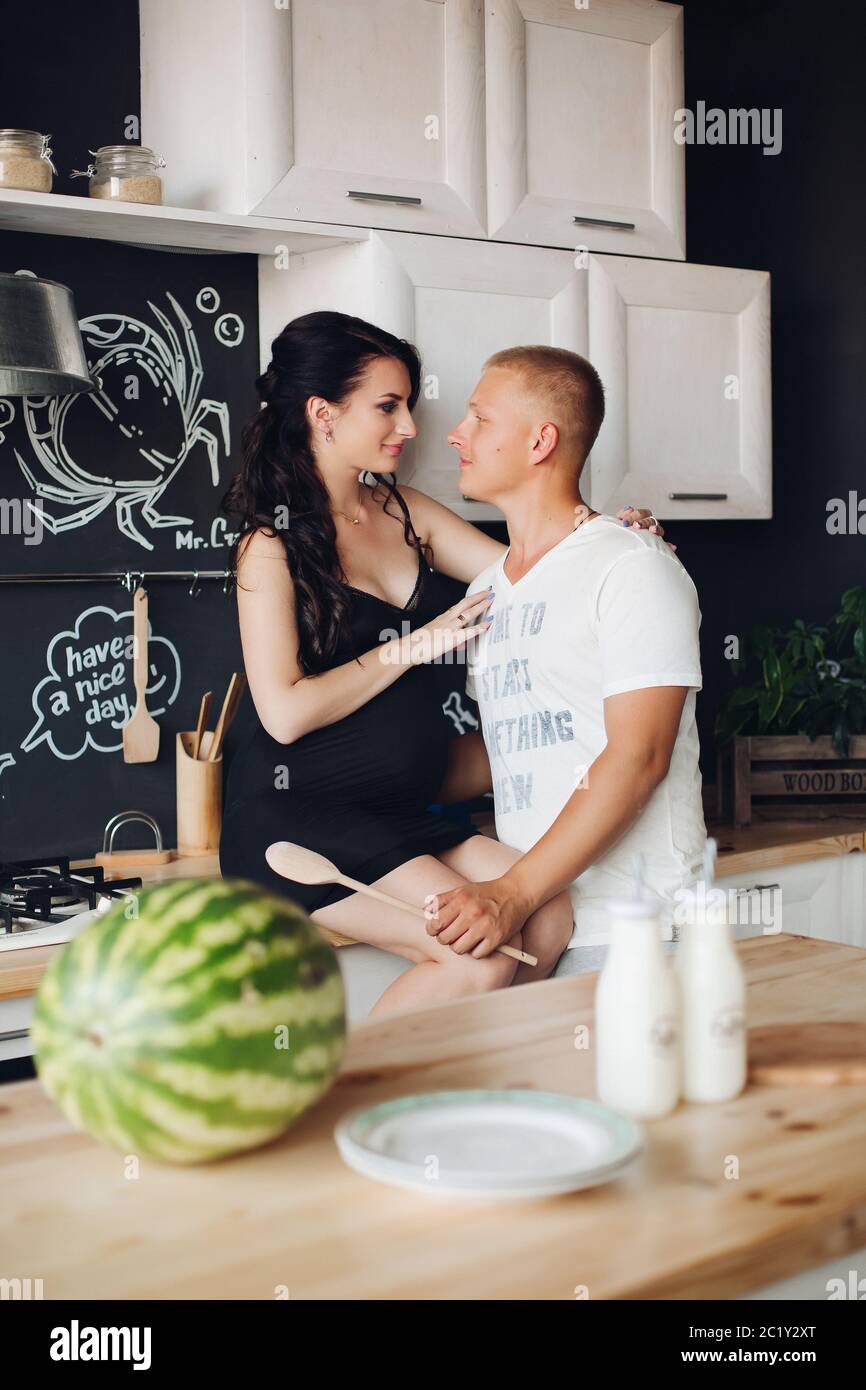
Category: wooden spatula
[141,731]
[227,713]
[306,866]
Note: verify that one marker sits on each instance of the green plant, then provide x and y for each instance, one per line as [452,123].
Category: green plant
[807,679]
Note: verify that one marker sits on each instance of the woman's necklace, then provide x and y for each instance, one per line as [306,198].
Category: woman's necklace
[354,519]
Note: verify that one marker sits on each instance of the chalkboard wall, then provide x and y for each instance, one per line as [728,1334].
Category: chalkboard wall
[126,478]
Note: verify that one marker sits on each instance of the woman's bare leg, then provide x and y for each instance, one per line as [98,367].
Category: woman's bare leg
[439,973]
[546,933]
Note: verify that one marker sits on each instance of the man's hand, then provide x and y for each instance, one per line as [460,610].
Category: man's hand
[478,917]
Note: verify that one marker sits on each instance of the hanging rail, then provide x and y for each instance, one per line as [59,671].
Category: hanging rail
[130,579]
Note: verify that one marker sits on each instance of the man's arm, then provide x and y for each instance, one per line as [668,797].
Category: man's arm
[641,727]
[467,772]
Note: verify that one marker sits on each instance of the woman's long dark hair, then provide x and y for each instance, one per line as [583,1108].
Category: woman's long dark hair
[321,354]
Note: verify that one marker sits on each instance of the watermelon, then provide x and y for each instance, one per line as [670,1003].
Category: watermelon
[197,1019]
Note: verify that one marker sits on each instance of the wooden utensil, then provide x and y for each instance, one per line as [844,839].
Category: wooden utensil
[227,713]
[204,711]
[830,1053]
[306,866]
[141,731]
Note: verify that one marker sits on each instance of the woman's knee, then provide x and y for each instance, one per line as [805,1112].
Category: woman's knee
[547,934]
[554,919]
[481,975]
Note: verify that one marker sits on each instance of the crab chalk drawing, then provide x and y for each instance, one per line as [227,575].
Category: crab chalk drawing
[207,299]
[136,367]
[7,415]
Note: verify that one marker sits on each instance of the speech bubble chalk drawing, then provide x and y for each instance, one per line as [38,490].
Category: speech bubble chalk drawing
[88,694]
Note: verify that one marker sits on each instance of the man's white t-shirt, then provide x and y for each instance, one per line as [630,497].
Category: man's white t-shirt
[607,609]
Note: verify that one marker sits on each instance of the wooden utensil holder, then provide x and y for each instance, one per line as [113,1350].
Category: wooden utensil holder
[199,796]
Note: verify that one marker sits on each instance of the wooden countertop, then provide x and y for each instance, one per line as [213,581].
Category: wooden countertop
[771,844]
[293,1214]
[760,846]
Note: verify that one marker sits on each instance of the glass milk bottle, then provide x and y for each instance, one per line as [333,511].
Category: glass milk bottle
[637,1016]
[713,998]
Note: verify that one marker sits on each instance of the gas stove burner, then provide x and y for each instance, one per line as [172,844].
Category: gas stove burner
[37,891]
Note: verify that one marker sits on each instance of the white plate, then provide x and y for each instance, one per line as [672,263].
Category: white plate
[508,1144]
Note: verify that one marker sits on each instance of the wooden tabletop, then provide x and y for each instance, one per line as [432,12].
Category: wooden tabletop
[674,1225]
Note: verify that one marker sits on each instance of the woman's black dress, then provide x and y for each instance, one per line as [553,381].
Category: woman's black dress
[355,790]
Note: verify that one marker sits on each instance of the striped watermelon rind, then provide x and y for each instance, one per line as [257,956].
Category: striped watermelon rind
[157,1032]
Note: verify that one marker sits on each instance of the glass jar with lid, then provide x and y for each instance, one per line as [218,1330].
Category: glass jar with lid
[127,173]
[25,160]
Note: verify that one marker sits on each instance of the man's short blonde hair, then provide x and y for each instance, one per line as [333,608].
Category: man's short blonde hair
[566,384]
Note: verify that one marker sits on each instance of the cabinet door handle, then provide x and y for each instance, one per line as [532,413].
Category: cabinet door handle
[758,888]
[697,497]
[604,222]
[401,198]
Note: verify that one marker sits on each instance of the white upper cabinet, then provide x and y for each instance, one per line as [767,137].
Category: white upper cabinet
[580,124]
[684,354]
[341,111]
[532,121]
[458,301]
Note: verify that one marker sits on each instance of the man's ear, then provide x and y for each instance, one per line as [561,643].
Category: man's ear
[545,442]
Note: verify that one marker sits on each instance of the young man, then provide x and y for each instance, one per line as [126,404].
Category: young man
[586,680]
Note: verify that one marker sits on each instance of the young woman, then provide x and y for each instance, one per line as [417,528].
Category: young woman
[350,745]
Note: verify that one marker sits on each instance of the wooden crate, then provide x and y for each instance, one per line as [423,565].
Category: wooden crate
[796,778]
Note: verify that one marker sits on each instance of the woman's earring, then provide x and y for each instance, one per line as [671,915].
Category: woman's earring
[329,434]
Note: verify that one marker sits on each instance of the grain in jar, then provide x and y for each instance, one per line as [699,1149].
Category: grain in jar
[25,160]
[124,173]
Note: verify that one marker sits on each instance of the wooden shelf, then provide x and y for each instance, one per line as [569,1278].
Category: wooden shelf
[144,224]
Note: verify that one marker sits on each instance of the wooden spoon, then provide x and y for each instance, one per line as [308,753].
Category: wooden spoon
[203,712]
[306,866]
[141,731]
